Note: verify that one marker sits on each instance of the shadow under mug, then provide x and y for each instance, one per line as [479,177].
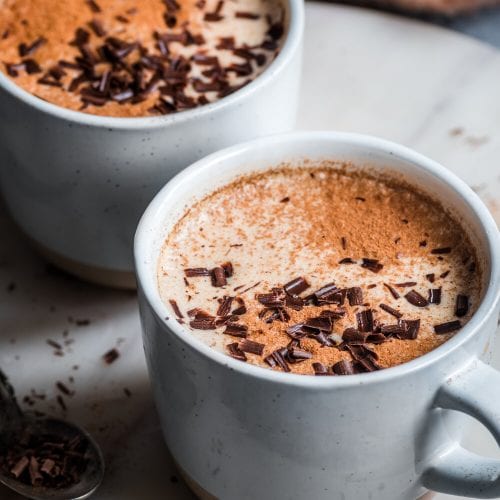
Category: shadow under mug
[242,431]
[77,184]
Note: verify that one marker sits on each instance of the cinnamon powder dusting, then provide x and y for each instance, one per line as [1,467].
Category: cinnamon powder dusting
[351,238]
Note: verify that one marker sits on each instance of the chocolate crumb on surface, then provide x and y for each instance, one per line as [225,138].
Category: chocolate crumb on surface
[111,356]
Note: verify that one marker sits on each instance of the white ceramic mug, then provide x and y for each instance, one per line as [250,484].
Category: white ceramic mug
[77,184]
[239,431]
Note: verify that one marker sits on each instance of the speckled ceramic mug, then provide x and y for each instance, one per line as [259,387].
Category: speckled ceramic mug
[77,184]
[239,431]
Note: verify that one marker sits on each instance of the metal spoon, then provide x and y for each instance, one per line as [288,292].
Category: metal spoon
[13,420]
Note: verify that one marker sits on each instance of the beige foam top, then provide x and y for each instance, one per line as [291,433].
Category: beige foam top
[282,224]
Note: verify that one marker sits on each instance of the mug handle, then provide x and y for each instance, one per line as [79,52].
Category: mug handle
[476,392]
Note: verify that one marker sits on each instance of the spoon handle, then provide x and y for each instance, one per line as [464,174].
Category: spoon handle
[11,415]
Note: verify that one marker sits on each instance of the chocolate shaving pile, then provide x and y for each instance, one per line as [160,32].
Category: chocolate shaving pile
[44,460]
[321,309]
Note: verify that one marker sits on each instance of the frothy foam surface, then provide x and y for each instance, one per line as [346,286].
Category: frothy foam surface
[252,30]
[288,223]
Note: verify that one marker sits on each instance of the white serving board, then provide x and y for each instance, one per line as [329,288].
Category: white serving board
[364,71]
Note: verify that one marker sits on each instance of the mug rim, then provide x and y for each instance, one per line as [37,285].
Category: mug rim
[149,288]
[290,46]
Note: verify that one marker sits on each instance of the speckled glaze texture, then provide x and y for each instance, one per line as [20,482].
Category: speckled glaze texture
[77,184]
[241,431]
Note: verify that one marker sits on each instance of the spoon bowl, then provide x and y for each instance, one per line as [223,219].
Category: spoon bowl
[91,477]
[13,422]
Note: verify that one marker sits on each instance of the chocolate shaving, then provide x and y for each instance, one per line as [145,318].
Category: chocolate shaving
[246,15]
[277,314]
[28,50]
[448,327]
[236,330]
[368,364]
[31,66]
[215,15]
[347,260]
[435,296]
[372,264]
[298,331]
[54,344]
[392,290]
[296,286]
[393,330]
[320,369]
[235,352]
[176,309]
[344,367]
[194,272]
[322,338]
[406,284]
[34,472]
[410,329]
[203,323]
[390,310]
[329,294]
[277,359]
[274,299]
[333,313]
[365,320]
[415,299]
[94,7]
[322,323]
[111,356]
[443,275]
[218,275]
[276,30]
[462,305]
[97,27]
[270,361]
[440,251]
[294,302]
[430,277]
[355,296]
[228,269]
[64,389]
[296,355]
[19,467]
[251,347]
[354,336]
[241,309]
[225,305]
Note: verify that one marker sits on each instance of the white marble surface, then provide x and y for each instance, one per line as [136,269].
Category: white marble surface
[364,71]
